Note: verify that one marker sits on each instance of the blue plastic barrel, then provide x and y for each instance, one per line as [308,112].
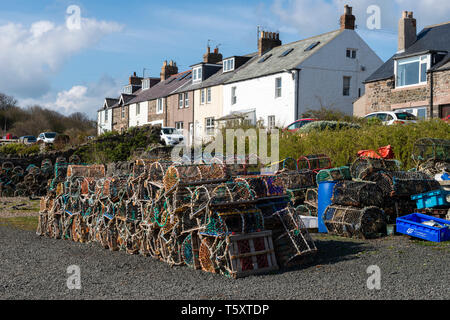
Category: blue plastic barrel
[325,192]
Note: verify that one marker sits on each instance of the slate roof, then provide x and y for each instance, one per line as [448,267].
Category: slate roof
[162,89]
[276,63]
[430,39]
[110,103]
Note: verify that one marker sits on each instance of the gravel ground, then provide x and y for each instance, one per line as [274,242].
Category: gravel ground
[36,268]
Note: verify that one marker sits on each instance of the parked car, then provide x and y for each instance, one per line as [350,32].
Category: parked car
[392,117]
[294,126]
[171,136]
[47,137]
[28,139]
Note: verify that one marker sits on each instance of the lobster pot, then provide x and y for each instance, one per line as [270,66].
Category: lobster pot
[351,222]
[428,148]
[141,167]
[181,175]
[236,169]
[334,174]
[182,199]
[297,179]
[398,207]
[47,168]
[241,220]
[432,167]
[357,194]
[293,242]
[190,251]
[93,171]
[403,184]
[296,196]
[251,254]
[158,170]
[88,186]
[312,197]
[289,164]
[314,162]
[256,183]
[362,167]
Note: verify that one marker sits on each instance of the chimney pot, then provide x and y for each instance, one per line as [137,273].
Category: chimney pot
[347,19]
[268,41]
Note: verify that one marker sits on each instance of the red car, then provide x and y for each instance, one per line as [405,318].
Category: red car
[294,126]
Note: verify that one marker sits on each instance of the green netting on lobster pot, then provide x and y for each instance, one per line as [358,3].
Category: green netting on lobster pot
[187,252]
[334,174]
[429,148]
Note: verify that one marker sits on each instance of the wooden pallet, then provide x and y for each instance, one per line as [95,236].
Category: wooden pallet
[251,254]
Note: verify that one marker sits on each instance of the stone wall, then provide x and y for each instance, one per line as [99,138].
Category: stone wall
[153,116]
[120,124]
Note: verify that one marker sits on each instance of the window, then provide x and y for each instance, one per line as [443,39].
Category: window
[312,46]
[284,54]
[138,108]
[208,95]
[277,87]
[159,106]
[180,100]
[197,74]
[233,95]
[123,112]
[271,122]
[346,86]
[351,53]
[186,100]
[264,58]
[411,71]
[128,89]
[106,115]
[145,84]
[209,126]
[228,65]
[179,125]
[202,96]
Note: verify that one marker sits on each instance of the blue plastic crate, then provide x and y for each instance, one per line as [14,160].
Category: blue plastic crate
[432,199]
[412,225]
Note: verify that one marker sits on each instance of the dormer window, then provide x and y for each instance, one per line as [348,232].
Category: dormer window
[228,65]
[128,89]
[197,76]
[411,71]
[145,84]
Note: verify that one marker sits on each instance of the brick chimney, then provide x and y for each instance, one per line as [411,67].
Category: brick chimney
[135,80]
[347,19]
[168,70]
[406,31]
[214,57]
[267,41]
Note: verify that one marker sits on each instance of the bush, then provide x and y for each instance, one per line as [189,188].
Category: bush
[342,145]
[330,125]
[18,149]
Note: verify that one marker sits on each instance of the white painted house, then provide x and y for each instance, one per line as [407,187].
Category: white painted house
[283,81]
[105,116]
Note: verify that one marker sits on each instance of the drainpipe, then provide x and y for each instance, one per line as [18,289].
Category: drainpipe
[297,86]
[431,94]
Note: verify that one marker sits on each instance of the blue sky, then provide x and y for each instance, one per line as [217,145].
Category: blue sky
[73,71]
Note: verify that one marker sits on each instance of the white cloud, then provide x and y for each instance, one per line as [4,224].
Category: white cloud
[86,98]
[34,54]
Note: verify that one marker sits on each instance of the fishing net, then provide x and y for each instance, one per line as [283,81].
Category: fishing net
[365,223]
[431,149]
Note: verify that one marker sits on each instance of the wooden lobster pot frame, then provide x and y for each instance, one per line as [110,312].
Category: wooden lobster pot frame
[314,162]
[251,254]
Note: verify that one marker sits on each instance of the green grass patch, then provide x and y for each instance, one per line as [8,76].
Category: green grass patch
[22,223]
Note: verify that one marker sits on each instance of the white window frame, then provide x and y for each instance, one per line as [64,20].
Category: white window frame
[422,59]
[106,115]
[352,51]
[123,112]
[128,89]
[349,86]
[160,106]
[209,126]
[180,101]
[271,122]
[179,125]
[208,95]
[278,89]
[228,65]
[145,84]
[202,96]
[197,74]
[233,95]
[186,99]
[138,109]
